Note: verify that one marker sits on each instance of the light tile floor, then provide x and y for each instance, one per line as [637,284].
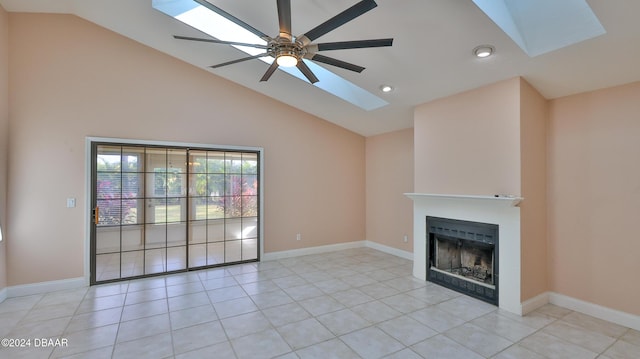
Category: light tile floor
[357,303]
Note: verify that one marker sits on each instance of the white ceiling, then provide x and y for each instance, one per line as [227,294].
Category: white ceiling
[431,55]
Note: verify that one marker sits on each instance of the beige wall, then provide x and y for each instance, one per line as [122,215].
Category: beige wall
[533,210]
[469,143]
[4,136]
[389,175]
[487,141]
[594,197]
[71,79]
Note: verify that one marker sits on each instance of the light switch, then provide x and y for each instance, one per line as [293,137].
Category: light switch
[71,202]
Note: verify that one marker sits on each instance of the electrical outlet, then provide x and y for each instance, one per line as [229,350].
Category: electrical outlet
[298,237]
[405,239]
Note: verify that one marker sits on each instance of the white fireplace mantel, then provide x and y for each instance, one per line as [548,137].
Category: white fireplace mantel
[501,210]
[506,200]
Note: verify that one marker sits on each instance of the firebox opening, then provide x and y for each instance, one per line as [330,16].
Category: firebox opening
[463,256]
[468,259]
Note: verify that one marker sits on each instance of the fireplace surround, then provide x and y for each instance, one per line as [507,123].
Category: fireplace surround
[502,211]
[463,256]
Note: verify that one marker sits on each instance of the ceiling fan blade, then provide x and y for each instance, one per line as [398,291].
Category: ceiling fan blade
[239,60]
[232,18]
[335,62]
[284,18]
[340,19]
[270,71]
[306,71]
[343,45]
[216,41]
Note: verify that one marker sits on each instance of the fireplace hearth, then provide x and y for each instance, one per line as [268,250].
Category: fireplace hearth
[463,256]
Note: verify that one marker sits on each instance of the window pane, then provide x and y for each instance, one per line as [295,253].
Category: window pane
[215,207]
[107,266]
[233,251]
[155,261]
[176,184]
[215,253]
[250,185]
[234,162]
[250,227]
[215,185]
[177,234]
[132,238]
[108,185]
[215,162]
[177,160]
[250,163]
[233,207]
[249,249]
[233,185]
[155,158]
[249,206]
[198,208]
[197,232]
[156,184]
[108,159]
[132,211]
[198,185]
[107,240]
[132,185]
[132,264]
[176,258]
[176,210]
[197,161]
[197,255]
[155,235]
[232,229]
[156,210]
[215,231]
[132,159]
[109,212]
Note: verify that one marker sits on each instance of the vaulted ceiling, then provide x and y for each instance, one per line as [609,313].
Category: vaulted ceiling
[431,56]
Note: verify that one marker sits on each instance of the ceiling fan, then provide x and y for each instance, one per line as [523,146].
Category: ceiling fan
[289,51]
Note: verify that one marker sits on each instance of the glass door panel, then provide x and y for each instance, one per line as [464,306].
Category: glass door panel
[166,209]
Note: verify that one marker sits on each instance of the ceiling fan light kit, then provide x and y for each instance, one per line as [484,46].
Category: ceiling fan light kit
[289,51]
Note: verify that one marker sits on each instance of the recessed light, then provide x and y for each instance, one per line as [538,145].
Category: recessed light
[386,88]
[483,51]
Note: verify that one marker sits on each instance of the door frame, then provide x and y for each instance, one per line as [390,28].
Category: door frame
[89,140]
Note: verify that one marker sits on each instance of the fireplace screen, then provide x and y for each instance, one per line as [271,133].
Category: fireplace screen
[462,256]
[471,260]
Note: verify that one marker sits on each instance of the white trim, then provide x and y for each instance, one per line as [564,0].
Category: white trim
[3,294]
[312,250]
[496,210]
[45,287]
[337,247]
[389,250]
[534,303]
[595,310]
[508,200]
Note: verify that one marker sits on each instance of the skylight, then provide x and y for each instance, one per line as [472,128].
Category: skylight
[541,26]
[211,23]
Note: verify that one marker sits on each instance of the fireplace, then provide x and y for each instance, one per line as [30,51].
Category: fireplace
[463,256]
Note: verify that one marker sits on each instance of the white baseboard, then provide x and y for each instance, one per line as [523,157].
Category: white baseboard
[534,303]
[389,250]
[3,294]
[312,250]
[45,287]
[595,310]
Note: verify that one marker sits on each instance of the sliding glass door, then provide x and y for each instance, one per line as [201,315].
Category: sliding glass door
[160,209]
